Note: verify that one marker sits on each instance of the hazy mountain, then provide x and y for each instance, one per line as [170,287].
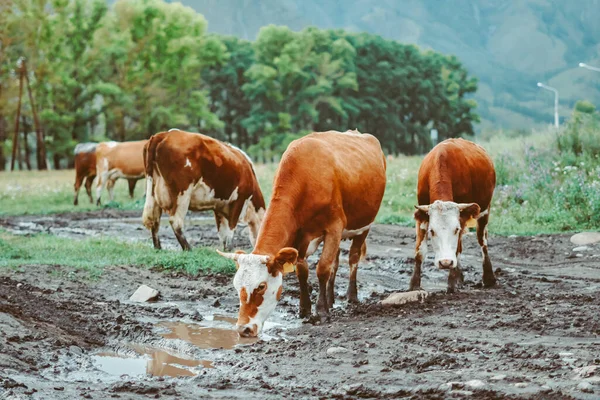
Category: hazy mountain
[509,44]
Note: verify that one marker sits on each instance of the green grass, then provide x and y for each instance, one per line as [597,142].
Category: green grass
[50,192]
[93,254]
[539,189]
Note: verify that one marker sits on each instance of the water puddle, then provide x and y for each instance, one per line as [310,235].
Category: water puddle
[204,337]
[157,363]
[216,333]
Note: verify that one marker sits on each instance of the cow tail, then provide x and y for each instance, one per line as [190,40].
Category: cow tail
[151,210]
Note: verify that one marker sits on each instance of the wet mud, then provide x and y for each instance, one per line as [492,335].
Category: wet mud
[536,335]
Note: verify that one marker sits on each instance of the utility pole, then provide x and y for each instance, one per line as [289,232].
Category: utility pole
[540,84]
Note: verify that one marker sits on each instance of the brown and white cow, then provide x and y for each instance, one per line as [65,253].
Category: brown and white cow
[116,160]
[328,187]
[190,171]
[85,168]
[455,188]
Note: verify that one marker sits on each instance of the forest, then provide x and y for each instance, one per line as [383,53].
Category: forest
[138,67]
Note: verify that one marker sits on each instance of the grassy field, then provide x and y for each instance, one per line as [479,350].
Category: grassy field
[94,254]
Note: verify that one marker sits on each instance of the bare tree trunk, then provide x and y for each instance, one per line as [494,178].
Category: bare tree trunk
[26,144]
[56,159]
[15,143]
[41,146]
[2,139]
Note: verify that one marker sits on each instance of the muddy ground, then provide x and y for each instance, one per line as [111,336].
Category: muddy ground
[536,335]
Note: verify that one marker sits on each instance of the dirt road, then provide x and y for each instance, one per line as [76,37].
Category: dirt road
[537,335]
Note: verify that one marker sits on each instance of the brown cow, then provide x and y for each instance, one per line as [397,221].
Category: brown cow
[118,160]
[456,182]
[328,187]
[189,171]
[85,168]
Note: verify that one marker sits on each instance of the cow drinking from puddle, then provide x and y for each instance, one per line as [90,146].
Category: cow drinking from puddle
[189,171]
[455,187]
[328,187]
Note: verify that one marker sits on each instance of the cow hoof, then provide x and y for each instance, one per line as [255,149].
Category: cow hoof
[305,312]
[489,283]
[450,290]
[353,300]
[414,288]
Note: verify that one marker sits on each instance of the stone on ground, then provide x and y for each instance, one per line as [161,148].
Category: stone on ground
[144,293]
[585,238]
[400,298]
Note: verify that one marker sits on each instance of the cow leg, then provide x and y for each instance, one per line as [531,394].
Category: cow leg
[110,186]
[420,253]
[224,230]
[331,283]
[302,275]
[455,274]
[331,246]
[357,249]
[78,180]
[102,180]
[177,218]
[131,183]
[88,187]
[489,279]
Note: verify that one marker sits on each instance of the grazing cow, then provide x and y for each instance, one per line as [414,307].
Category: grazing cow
[85,168]
[190,171]
[328,187]
[118,160]
[455,187]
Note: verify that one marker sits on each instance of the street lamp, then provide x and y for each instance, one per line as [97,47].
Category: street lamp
[540,84]
[584,65]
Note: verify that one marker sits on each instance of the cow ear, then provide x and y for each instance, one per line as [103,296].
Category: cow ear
[422,214]
[237,265]
[284,261]
[468,210]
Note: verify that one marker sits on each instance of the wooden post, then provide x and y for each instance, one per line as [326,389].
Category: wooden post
[26,143]
[41,146]
[15,143]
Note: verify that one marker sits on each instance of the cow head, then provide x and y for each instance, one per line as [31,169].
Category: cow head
[259,282]
[445,222]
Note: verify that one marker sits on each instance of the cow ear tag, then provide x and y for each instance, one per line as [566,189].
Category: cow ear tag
[288,267]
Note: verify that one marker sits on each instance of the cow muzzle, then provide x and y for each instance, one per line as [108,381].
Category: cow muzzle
[248,330]
[446,263]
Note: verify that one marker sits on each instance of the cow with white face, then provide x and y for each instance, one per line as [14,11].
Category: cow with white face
[321,194]
[455,187]
[259,283]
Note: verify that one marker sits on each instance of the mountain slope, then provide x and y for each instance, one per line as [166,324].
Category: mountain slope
[509,45]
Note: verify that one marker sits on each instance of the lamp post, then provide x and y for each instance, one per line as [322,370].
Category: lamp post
[540,84]
[584,65]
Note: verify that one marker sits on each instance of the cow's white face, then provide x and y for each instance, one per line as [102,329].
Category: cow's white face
[445,222]
[259,283]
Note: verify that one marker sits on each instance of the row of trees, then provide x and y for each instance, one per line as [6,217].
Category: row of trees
[144,66]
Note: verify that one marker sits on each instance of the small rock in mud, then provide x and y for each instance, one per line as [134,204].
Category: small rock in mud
[405,297]
[498,377]
[586,371]
[475,384]
[585,387]
[521,385]
[75,350]
[337,350]
[144,293]
[580,248]
[585,238]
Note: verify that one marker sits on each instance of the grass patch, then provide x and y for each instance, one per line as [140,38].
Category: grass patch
[547,182]
[50,192]
[93,254]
